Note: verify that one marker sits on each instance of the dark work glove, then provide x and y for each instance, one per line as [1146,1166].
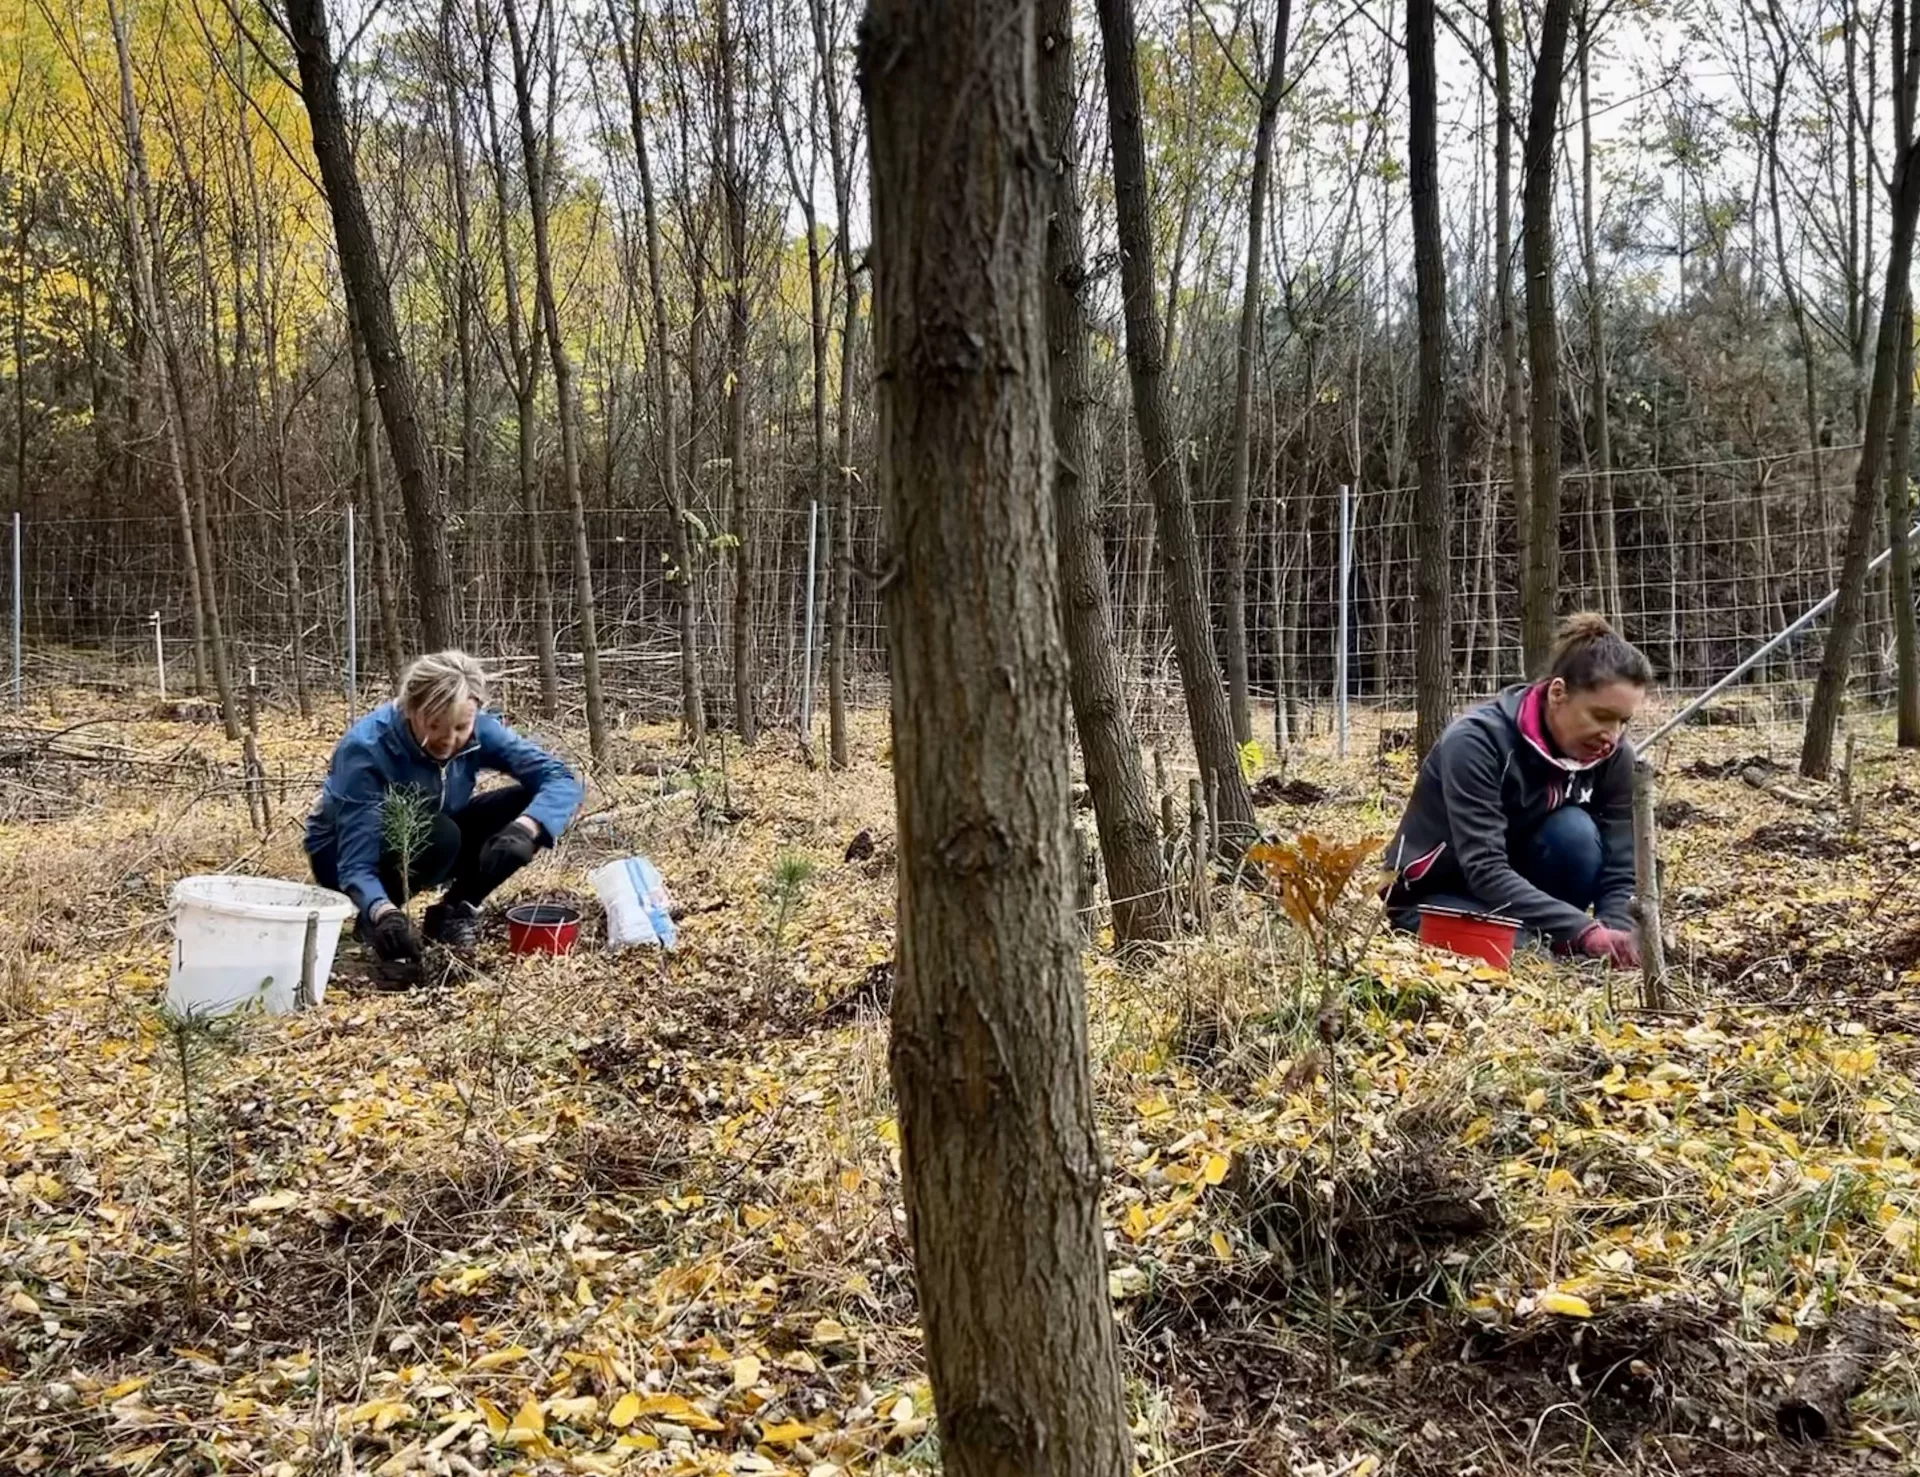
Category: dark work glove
[393,937]
[1618,946]
[505,852]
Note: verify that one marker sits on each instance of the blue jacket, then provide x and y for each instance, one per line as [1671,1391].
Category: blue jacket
[380,752]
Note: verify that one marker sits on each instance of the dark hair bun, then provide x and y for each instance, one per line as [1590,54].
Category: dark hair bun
[1583,625]
[1588,652]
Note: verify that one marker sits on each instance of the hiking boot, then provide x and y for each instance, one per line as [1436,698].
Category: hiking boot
[455,924]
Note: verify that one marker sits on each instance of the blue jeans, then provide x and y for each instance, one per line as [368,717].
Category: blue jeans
[1561,857]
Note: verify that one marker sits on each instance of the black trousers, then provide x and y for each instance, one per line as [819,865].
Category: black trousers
[451,856]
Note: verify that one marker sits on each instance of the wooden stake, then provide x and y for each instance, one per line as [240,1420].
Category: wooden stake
[309,959]
[1198,851]
[1646,886]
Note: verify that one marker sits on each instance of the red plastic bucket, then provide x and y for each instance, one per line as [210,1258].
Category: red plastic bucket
[542,928]
[1479,935]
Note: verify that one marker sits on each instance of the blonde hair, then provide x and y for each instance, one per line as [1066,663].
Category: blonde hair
[437,682]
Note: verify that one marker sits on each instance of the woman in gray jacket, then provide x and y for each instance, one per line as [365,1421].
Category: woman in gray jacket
[1524,807]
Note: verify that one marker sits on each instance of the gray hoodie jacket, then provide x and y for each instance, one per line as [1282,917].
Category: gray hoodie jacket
[1489,782]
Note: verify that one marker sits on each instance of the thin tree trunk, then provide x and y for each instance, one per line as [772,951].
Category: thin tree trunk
[183,451]
[1899,519]
[1234,825]
[523,352]
[466,283]
[693,712]
[1129,834]
[564,393]
[1823,712]
[365,282]
[1540,590]
[1518,454]
[746,715]
[840,568]
[373,497]
[1433,514]
[1601,495]
[1239,702]
[1000,1152]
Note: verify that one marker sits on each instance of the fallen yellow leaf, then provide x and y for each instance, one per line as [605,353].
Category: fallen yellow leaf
[278,1200]
[1221,1247]
[626,1410]
[493,1415]
[785,1433]
[1216,1170]
[746,1372]
[499,1359]
[1565,1304]
[1782,1333]
[21,1303]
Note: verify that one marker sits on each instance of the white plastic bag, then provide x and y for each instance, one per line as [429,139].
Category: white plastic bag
[638,908]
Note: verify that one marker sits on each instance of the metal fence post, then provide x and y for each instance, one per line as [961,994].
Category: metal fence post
[159,655]
[1340,653]
[806,648]
[353,624]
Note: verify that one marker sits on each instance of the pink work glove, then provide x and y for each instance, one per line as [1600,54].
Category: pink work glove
[1616,945]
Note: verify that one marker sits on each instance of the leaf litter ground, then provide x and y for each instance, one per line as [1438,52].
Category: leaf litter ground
[638,1214]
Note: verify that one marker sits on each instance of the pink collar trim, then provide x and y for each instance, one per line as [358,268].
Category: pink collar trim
[1533,728]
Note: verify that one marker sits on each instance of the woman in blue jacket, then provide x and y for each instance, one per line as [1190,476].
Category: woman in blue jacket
[435,739]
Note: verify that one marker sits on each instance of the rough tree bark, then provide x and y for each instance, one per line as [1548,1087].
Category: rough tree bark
[1129,834]
[567,408]
[1540,586]
[190,493]
[1823,712]
[1433,511]
[1000,1154]
[1899,520]
[1239,701]
[1235,827]
[693,711]
[365,281]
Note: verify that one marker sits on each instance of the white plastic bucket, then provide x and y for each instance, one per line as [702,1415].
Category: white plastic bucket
[238,940]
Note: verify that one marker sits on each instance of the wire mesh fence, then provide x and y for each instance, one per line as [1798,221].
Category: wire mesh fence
[1706,561]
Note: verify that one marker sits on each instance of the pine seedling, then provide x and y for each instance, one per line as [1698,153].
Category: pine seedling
[791,874]
[406,826]
[195,1039]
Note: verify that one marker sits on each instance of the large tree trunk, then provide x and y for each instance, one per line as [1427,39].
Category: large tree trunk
[1239,702]
[693,711]
[564,394]
[1219,756]
[366,283]
[1540,587]
[1000,1154]
[1823,712]
[1899,519]
[1433,514]
[1129,834]
[1515,392]
[190,491]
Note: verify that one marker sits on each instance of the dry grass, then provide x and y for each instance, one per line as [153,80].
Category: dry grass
[1334,1236]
